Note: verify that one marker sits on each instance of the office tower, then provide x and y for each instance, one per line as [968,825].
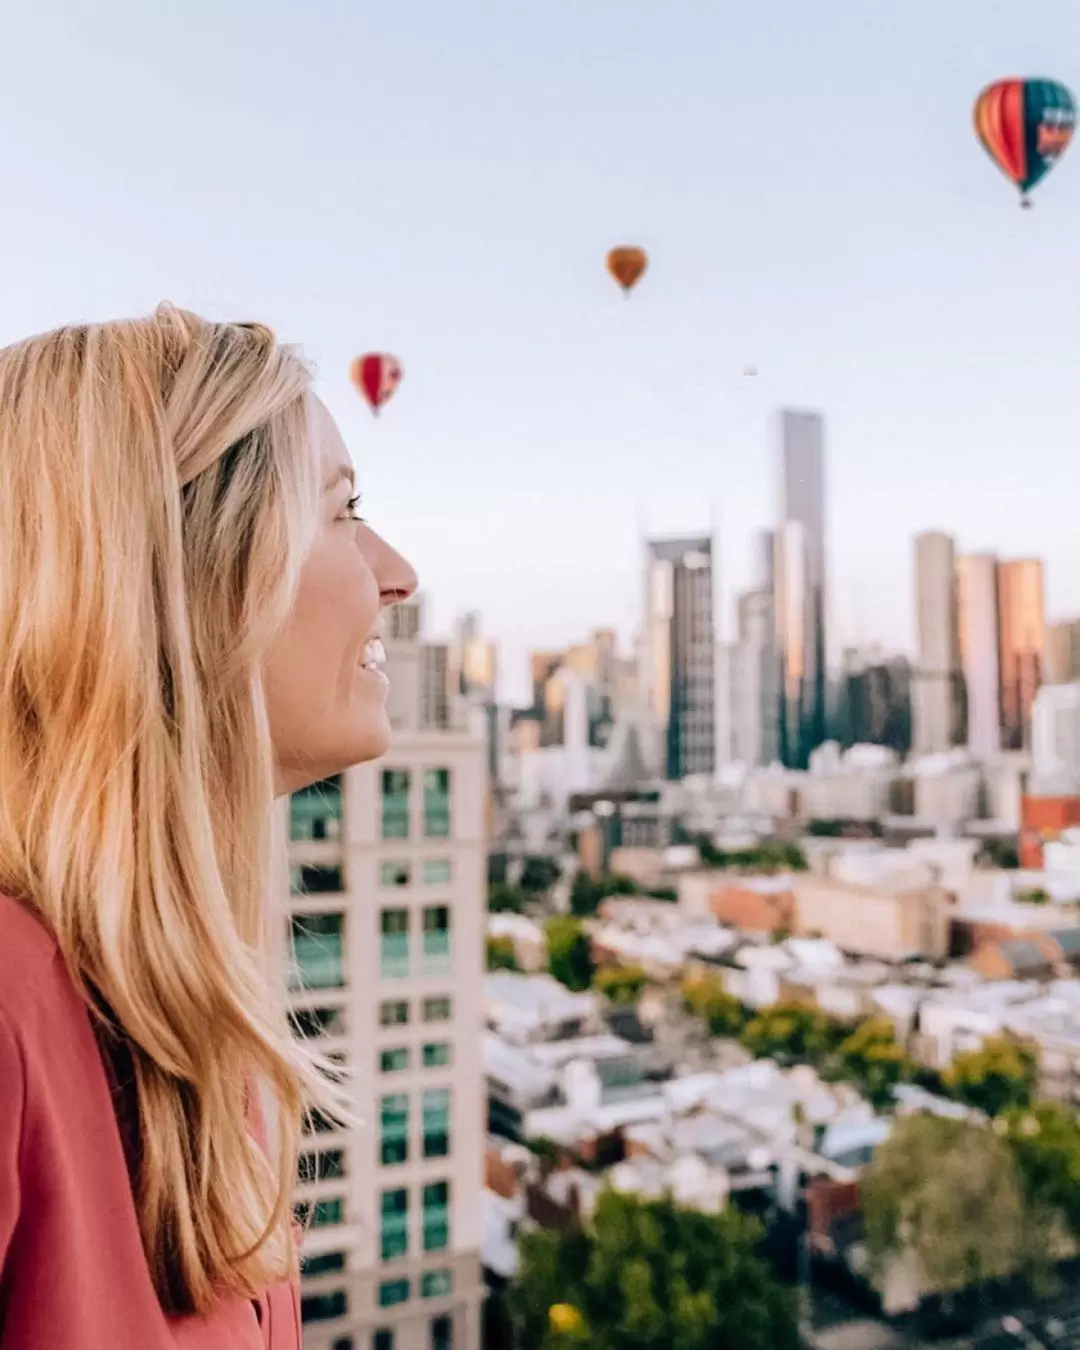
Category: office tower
[679,653]
[1022,641]
[874,700]
[388,871]
[799,587]
[977,611]
[747,685]
[1062,664]
[938,690]
[473,661]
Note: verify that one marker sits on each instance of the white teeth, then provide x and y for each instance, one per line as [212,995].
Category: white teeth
[374,653]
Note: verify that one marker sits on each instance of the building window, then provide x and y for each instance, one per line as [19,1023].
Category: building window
[318,951]
[394,1130]
[324,1264]
[436,1118]
[391,1293]
[437,871]
[395,1224]
[394,874]
[315,879]
[394,1013]
[324,1307]
[311,1022]
[315,1122]
[315,812]
[395,803]
[324,1165]
[395,1060]
[346,1343]
[436,940]
[442,1334]
[437,1055]
[437,1284]
[321,1213]
[437,803]
[394,949]
[436,1216]
[383,1339]
[437,1010]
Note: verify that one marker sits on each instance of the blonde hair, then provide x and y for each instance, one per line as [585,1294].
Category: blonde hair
[158,498]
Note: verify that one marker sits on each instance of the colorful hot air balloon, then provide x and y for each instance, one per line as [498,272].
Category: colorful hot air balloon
[375,377]
[627,265]
[1025,126]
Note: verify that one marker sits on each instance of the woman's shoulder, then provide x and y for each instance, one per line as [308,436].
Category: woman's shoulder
[35,987]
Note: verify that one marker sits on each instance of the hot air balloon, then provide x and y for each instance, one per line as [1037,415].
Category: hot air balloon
[375,377]
[627,265]
[1025,126]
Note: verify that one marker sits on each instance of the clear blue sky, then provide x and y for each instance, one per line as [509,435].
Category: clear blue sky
[441,178]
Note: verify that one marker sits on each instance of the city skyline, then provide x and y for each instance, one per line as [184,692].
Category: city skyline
[453,183]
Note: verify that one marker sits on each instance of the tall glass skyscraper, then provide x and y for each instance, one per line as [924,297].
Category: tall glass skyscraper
[799,587]
[680,645]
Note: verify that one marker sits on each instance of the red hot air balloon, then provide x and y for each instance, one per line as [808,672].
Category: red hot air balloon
[375,377]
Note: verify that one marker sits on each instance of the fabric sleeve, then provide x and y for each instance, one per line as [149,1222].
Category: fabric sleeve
[12,1102]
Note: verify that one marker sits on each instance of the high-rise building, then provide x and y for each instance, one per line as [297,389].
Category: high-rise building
[388,871]
[799,587]
[874,700]
[747,685]
[938,703]
[1022,644]
[1062,664]
[977,612]
[680,647]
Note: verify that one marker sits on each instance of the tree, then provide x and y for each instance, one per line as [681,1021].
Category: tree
[997,1076]
[790,1031]
[946,1193]
[588,893]
[539,874]
[875,1060]
[706,997]
[570,957]
[621,984]
[1045,1143]
[501,954]
[650,1275]
[506,899]
[772,855]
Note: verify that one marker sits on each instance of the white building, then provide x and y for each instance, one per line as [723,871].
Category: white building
[1055,732]
[388,872]
[936,684]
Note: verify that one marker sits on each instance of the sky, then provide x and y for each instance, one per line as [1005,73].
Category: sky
[442,178]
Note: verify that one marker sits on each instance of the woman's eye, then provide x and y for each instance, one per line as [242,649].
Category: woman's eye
[352,508]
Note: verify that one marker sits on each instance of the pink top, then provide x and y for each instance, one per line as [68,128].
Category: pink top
[73,1275]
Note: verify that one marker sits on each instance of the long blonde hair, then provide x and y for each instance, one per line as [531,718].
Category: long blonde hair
[158,496]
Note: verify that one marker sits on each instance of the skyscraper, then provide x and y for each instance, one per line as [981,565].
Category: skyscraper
[679,653]
[799,586]
[938,685]
[977,611]
[1022,642]
[388,869]
[1062,664]
[748,695]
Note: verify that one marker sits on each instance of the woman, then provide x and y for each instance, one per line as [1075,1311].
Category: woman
[188,615]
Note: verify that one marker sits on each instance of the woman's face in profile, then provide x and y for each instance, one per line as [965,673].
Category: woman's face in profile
[325,689]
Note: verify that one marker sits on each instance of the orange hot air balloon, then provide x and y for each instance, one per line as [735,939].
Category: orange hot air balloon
[627,265]
[375,377]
